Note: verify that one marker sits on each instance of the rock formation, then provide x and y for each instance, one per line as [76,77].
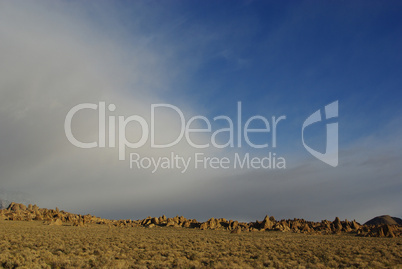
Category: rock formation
[55,217]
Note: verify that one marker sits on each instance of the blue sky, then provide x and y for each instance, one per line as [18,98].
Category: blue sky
[276,57]
[281,58]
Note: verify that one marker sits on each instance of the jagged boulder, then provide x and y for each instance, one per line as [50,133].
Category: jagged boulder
[56,222]
[170,222]
[355,225]
[16,207]
[155,221]
[281,226]
[204,226]
[236,231]
[337,225]
[305,228]
[267,224]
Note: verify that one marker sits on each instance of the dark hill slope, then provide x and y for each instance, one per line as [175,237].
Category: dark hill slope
[385,219]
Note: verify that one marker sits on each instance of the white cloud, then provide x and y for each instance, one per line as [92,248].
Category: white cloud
[51,61]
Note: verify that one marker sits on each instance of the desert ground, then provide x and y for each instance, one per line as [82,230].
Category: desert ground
[32,244]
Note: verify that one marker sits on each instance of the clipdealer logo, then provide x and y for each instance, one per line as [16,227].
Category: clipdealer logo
[242,131]
[331,151]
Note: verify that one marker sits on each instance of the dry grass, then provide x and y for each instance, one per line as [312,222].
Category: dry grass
[34,245]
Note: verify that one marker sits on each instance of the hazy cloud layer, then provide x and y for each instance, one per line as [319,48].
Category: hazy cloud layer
[54,56]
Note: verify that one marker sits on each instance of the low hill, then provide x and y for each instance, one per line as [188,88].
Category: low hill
[385,219]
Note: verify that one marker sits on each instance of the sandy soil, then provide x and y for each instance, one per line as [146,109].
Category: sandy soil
[35,245]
